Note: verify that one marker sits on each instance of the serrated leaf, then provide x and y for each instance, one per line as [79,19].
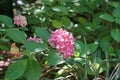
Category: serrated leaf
[16,70]
[54,57]
[42,33]
[6,20]
[107,17]
[34,46]
[16,35]
[33,70]
[56,23]
[115,33]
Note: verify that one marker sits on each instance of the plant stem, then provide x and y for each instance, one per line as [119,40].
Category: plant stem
[85,74]
[107,65]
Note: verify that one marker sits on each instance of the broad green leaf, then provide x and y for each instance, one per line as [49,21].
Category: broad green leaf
[34,46]
[33,70]
[16,35]
[107,17]
[56,23]
[91,47]
[54,58]
[117,20]
[42,33]
[116,13]
[6,20]
[114,4]
[16,70]
[115,33]
[66,21]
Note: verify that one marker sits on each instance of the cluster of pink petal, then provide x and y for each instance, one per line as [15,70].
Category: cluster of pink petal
[20,20]
[4,64]
[63,42]
[33,39]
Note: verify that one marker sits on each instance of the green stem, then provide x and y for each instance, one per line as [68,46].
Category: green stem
[107,65]
[85,74]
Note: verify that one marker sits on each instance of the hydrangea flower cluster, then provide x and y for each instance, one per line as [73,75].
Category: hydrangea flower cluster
[33,39]
[20,20]
[63,42]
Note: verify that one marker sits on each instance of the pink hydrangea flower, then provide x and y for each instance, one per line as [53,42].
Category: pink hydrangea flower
[63,42]
[33,39]
[20,20]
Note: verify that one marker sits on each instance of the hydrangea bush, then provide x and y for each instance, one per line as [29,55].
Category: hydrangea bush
[62,40]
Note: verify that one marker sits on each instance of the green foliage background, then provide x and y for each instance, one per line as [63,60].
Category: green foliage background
[95,25]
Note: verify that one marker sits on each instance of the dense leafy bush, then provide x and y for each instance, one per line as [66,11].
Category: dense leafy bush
[94,25]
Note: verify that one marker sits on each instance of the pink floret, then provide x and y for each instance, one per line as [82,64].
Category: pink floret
[20,20]
[63,42]
[33,39]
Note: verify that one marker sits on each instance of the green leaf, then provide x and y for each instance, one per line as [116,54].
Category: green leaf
[42,33]
[16,35]
[93,68]
[66,21]
[117,20]
[116,12]
[60,9]
[80,48]
[107,17]
[33,70]
[16,70]
[82,20]
[91,47]
[34,46]
[32,20]
[114,4]
[3,47]
[6,20]
[115,33]
[54,57]
[46,1]
[56,23]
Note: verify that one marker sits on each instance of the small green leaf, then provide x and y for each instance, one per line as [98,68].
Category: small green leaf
[34,46]
[42,33]
[91,47]
[115,33]
[16,35]
[54,57]
[60,9]
[6,20]
[93,68]
[56,24]
[33,70]
[107,17]
[80,48]
[82,20]
[66,21]
[16,70]
[32,20]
